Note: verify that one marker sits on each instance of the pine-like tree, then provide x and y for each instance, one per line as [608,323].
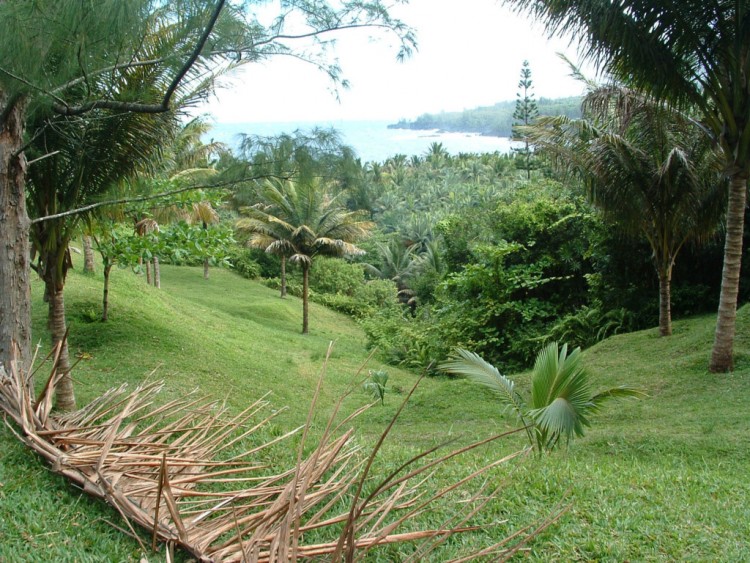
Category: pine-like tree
[525,114]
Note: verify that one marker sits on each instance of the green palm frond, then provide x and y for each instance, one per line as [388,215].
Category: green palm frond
[621,392]
[474,367]
[562,401]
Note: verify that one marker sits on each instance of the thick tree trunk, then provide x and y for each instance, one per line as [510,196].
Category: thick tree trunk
[15,289]
[64,397]
[283,277]
[721,354]
[88,255]
[665,301]
[157,273]
[105,297]
[305,302]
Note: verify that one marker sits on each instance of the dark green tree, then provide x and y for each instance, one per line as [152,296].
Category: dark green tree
[693,53]
[524,115]
[648,169]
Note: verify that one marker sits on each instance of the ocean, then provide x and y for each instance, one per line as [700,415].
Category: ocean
[372,140]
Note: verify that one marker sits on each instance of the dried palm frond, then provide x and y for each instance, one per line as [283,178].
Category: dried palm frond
[173,470]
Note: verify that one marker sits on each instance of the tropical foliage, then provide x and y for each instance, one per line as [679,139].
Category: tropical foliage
[649,169]
[561,403]
[301,221]
[693,57]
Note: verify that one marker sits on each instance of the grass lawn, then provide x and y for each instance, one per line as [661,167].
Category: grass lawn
[662,478]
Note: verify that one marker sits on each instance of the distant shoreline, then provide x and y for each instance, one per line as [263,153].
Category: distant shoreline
[373,141]
[411,126]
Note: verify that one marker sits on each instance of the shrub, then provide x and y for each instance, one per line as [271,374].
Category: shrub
[244,263]
[335,276]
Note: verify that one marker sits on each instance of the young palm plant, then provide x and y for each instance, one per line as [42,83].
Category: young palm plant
[561,398]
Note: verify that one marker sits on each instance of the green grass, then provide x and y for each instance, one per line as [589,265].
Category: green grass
[663,478]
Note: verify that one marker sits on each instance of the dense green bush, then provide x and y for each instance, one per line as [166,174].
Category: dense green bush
[244,263]
[335,276]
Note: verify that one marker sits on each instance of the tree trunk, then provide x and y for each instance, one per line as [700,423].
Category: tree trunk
[105,298]
[305,286]
[88,255]
[721,354]
[283,277]
[205,260]
[665,301]
[157,273]
[64,397]
[15,288]
[148,272]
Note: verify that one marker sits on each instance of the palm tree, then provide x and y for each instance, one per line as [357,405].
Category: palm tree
[204,213]
[649,169]
[143,228]
[301,221]
[561,398]
[79,160]
[695,54]
[398,263]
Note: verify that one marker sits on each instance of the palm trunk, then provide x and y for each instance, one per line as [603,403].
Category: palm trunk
[205,260]
[15,288]
[721,354]
[157,273]
[88,255]
[64,397]
[665,301]
[305,304]
[283,277]
[105,298]
[148,272]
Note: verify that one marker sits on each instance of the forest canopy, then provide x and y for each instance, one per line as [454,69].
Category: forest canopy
[496,120]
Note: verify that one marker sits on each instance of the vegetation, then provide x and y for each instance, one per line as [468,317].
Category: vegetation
[301,221]
[693,58]
[525,114]
[649,169]
[428,253]
[653,468]
[561,399]
[494,120]
[80,62]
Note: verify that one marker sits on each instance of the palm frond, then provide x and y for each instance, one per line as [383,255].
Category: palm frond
[559,418]
[474,367]
[623,391]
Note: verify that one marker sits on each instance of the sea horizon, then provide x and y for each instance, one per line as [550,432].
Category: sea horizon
[372,140]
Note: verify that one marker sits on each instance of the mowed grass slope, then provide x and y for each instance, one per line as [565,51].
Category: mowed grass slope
[663,478]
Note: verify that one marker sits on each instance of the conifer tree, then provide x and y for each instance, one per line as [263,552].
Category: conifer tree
[525,114]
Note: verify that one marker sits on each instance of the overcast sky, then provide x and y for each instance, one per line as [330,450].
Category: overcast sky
[470,54]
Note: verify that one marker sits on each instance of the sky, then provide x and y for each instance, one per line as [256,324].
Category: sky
[469,55]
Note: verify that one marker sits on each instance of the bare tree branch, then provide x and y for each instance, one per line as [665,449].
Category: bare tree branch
[64,109]
[227,184]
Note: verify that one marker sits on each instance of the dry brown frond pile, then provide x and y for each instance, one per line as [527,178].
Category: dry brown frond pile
[173,469]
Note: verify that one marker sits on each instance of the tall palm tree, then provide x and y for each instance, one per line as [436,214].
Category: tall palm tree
[80,159]
[301,221]
[649,169]
[693,53]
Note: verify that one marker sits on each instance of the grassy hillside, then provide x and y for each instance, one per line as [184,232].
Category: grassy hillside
[664,478]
